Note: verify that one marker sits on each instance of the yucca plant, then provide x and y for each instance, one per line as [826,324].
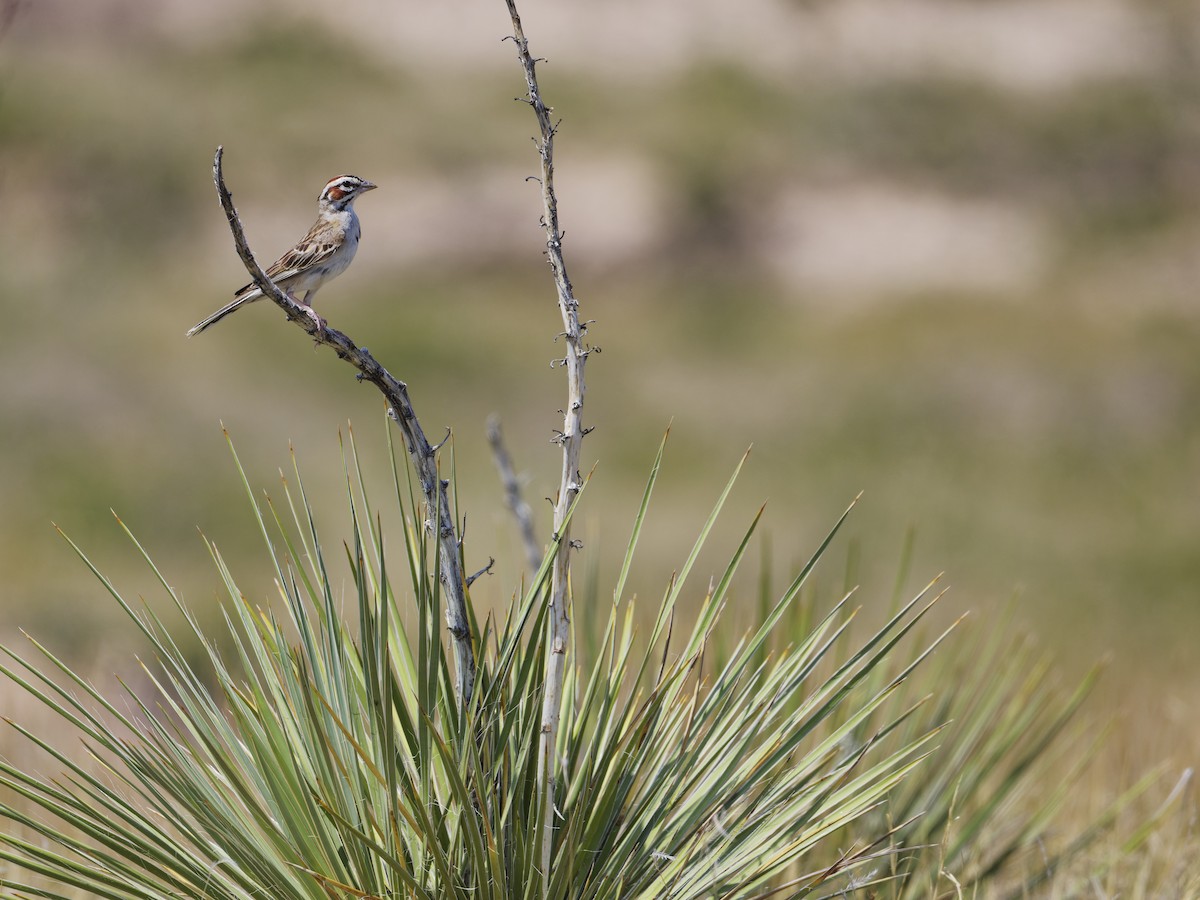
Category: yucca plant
[333,760]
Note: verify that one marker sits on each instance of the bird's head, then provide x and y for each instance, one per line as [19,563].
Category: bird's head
[342,191]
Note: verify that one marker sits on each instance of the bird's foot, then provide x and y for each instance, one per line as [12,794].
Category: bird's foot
[318,322]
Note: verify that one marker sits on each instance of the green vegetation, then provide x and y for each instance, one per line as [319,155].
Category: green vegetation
[799,759]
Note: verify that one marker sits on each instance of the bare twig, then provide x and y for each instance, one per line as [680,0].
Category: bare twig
[571,439]
[401,410]
[512,494]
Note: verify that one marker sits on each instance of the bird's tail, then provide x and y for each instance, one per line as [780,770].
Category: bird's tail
[221,313]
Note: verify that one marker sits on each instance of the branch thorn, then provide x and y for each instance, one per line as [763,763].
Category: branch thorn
[486,570]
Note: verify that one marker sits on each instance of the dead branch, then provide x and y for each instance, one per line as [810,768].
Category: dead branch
[571,438]
[424,456]
[512,495]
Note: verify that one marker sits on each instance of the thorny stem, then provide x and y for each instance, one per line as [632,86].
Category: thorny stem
[401,410]
[571,438]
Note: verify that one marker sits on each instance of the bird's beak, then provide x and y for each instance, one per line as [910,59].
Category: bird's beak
[367,186]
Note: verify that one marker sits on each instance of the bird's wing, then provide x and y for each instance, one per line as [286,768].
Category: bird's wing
[309,252]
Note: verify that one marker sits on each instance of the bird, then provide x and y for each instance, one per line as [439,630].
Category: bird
[324,253]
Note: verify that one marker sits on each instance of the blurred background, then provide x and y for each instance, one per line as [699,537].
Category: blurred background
[942,252]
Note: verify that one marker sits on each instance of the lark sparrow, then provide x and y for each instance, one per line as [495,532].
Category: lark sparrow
[322,254]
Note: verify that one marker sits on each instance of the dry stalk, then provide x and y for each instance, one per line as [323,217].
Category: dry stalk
[512,494]
[424,456]
[571,439]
